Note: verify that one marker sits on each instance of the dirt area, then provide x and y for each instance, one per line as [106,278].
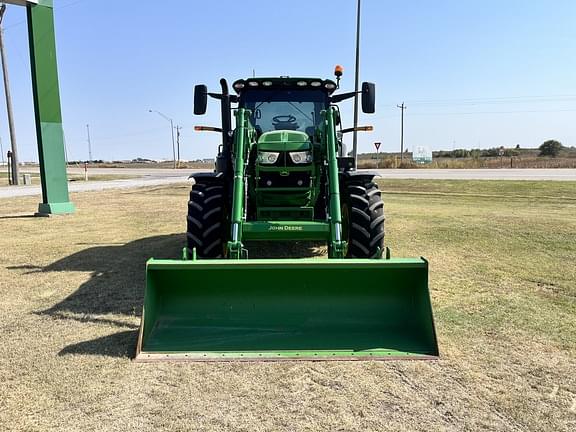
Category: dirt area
[502,283]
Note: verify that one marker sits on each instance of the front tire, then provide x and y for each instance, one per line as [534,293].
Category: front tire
[206,222]
[363,219]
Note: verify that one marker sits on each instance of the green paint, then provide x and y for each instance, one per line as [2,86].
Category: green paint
[56,208]
[48,114]
[304,308]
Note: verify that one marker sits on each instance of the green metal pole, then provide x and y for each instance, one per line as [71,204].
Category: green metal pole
[49,131]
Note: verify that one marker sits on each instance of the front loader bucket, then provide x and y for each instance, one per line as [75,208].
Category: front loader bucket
[287,309]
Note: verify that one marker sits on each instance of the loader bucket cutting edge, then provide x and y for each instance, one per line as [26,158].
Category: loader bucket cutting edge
[287,309]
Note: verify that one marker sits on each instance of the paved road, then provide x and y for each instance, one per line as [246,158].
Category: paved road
[154,177]
[136,172]
[19,191]
[566,174]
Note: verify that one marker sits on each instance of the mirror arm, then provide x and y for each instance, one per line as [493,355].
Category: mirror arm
[358,129]
[233,98]
[343,96]
[207,129]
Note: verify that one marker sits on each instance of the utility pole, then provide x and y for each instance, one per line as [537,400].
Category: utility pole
[178,129]
[356,85]
[403,108]
[15,167]
[165,117]
[89,144]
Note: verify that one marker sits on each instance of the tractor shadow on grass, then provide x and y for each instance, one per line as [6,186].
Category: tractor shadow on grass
[116,285]
[117,281]
[121,344]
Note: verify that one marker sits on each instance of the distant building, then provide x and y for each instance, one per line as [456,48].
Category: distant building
[422,155]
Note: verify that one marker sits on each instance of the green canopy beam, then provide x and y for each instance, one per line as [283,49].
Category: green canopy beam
[49,131]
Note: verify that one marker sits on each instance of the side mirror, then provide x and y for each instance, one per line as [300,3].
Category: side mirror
[368,98]
[200,99]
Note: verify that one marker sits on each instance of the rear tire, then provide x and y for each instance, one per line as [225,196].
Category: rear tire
[363,219]
[207,225]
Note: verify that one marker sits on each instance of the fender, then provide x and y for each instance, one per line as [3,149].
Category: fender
[367,176]
[207,176]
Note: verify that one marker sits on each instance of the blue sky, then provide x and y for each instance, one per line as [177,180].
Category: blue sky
[472,73]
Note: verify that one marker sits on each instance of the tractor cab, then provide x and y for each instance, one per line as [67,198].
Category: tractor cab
[285,103]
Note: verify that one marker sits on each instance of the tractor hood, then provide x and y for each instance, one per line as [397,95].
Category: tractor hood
[284,140]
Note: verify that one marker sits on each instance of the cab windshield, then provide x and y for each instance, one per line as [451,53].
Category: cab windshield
[297,110]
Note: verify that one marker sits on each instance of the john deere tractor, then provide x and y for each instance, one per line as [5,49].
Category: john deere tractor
[283,174]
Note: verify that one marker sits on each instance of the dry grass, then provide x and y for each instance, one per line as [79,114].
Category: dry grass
[502,282]
[525,161]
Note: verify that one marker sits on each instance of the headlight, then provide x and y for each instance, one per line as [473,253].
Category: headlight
[301,157]
[268,158]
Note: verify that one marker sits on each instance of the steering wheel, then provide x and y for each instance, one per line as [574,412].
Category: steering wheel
[284,119]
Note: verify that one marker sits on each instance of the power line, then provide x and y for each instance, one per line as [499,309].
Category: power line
[19,23]
[508,100]
[496,99]
[126,135]
[440,114]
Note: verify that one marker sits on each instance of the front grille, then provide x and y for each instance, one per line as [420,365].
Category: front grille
[275,180]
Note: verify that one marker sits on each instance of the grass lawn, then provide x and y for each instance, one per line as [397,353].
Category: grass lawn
[503,286]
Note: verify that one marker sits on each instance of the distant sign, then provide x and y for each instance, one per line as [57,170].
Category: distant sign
[422,155]
[377,145]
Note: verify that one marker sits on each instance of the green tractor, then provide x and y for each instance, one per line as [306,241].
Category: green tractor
[283,174]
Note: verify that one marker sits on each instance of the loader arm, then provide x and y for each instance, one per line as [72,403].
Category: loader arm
[337,247]
[242,141]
